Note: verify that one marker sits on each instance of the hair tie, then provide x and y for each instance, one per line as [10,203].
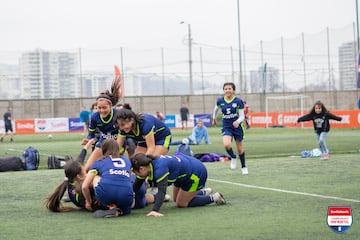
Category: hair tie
[66,179]
[104,97]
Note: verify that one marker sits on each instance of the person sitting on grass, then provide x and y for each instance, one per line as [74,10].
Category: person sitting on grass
[198,134]
[187,174]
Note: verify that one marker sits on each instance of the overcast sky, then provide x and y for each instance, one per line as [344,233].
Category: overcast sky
[142,24]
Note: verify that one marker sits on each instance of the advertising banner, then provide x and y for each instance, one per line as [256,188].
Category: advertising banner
[46,125]
[350,119]
[170,121]
[190,121]
[25,126]
[75,124]
[205,117]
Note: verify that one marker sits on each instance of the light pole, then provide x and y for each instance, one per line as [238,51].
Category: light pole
[357,25]
[190,58]
[239,39]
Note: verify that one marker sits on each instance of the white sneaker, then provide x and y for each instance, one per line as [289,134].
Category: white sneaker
[233,163]
[244,170]
[154,190]
[167,198]
[218,198]
[207,191]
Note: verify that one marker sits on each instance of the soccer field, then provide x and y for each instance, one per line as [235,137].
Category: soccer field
[283,197]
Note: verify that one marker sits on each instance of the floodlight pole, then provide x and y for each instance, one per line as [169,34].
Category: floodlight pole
[239,39]
[190,58]
[357,25]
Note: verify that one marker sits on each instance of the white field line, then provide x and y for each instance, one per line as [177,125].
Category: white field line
[286,191]
[21,151]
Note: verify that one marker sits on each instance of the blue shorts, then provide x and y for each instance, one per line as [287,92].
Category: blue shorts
[161,139]
[193,182]
[121,196]
[237,133]
[8,127]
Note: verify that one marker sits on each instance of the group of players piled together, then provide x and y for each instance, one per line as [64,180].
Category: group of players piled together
[130,155]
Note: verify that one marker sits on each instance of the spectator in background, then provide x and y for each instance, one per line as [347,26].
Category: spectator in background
[160,116]
[184,115]
[8,126]
[85,118]
[246,111]
[320,117]
[93,108]
[199,133]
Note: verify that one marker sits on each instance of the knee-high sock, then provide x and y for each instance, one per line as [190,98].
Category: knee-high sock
[231,152]
[242,159]
[199,200]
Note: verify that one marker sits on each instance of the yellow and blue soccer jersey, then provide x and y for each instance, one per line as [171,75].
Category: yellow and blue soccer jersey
[230,109]
[183,171]
[113,170]
[115,185]
[148,125]
[78,199]
[106,126]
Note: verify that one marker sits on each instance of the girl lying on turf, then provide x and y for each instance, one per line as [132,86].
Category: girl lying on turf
[74,176]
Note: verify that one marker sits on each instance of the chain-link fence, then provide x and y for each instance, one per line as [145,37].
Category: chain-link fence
[325,61]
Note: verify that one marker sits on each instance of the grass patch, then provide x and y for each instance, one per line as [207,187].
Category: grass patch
[256,208]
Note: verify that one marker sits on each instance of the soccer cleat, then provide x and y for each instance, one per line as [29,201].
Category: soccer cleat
[233,163]
[244,170]
[325,156]
[114,212]
[206,191]
[66,199]
[218,198]
[154,190]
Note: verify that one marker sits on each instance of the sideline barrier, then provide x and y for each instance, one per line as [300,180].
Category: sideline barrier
[350,119]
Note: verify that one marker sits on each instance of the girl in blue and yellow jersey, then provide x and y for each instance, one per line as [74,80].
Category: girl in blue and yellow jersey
[232,109]
[153,137]
[110,178]
[74,176]
[187,175]
[103,120]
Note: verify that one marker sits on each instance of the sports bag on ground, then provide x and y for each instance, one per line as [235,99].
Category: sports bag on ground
[11,163]
[31,158]
[184,149]
[211,157]
[55,162]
